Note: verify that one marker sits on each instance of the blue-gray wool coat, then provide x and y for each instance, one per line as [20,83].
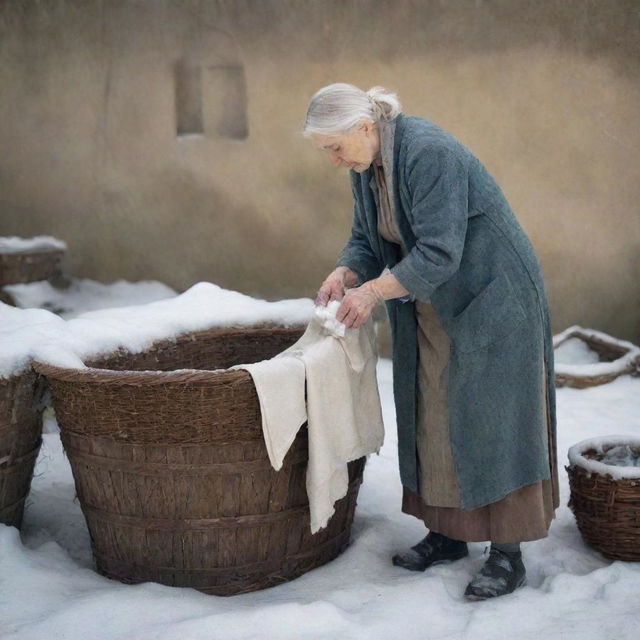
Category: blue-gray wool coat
[469,257]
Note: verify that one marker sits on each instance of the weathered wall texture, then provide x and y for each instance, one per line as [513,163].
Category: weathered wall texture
[546,94]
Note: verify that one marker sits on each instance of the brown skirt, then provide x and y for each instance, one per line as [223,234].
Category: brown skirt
[524,514]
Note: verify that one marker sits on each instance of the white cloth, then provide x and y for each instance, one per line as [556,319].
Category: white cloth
[280,383]
[342,408]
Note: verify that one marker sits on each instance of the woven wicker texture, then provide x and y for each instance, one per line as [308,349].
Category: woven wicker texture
[607,511]
[29,266]
[607,352]
[172,472]
[20,437]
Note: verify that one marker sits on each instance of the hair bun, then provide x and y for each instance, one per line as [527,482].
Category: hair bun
[385,105]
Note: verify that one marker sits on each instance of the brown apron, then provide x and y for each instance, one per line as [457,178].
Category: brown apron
[524,514]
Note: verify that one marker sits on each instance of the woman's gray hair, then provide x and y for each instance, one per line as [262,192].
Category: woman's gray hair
[338,107]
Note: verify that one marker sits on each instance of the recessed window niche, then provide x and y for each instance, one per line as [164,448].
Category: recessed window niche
[225,101]
[188,83]
[211,100]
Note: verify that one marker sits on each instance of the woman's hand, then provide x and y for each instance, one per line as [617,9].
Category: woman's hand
[335,284]
[358,304]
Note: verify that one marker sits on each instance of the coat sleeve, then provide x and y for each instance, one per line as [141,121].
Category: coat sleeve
[438,184]
[358,254]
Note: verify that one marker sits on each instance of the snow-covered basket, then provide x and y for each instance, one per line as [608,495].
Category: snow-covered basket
[586,357]
[21,404]
[604,477]
[30,259]
[20,437]
[168,456]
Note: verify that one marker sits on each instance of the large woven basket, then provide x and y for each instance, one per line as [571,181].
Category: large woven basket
[607,508]
[29,266]
[20,438]
[172,472]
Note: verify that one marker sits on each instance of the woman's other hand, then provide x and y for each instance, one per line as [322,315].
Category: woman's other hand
[358,304]
[335,284]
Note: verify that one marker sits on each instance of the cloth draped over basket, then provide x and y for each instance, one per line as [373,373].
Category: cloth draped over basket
[342,406]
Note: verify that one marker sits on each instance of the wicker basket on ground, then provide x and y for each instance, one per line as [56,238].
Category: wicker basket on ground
[172,472]
[20,438]
[616,357]
[605,497]
[30,265]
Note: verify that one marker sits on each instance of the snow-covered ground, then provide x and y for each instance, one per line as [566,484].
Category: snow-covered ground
[84,294]
[48,589]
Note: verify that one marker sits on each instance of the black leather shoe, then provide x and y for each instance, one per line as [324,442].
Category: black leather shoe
[502,573]
[433,549]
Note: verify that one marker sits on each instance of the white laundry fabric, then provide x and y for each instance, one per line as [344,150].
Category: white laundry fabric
[327,316]
[280,383]
[342,408]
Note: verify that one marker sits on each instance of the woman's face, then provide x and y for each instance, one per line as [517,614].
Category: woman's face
[355,150]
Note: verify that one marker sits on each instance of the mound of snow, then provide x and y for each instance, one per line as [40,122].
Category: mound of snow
[38,334]
[15,244]
[43,336]
[619,456]
[21,332]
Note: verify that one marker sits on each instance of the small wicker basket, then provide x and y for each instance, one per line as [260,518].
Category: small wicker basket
[29,266]
[605,499]
[617,357]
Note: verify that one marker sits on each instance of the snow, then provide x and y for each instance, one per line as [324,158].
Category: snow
[573,360]
[21,331]
[327,315]
[48,588]
[134,328]
[620,455]
[84,295]
[16,244]
[575,351]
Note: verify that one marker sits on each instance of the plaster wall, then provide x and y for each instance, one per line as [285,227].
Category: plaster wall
[546,94]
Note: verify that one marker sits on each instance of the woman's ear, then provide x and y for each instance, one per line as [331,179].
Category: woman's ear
[367,127]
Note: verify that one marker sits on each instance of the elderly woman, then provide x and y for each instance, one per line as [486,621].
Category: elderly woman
[435,238]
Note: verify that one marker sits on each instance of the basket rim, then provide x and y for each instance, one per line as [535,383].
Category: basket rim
[577,459]
[92,374]
[133,377]
[32,252]
[577,331]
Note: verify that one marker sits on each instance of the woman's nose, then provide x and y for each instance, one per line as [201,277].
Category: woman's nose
[335,161]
